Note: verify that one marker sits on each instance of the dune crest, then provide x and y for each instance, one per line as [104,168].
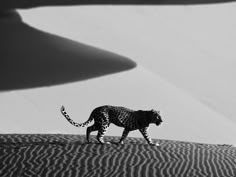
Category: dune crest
[9,4]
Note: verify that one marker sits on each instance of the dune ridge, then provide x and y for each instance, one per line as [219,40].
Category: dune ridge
[69,155]
[37,3]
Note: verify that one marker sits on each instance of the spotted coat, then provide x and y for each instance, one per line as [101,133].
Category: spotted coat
[129,119]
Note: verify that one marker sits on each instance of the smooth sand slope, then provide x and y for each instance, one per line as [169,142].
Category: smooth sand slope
[185,118]
[9,4]
[193,47]
[33,58]
[69,156]
[128,31]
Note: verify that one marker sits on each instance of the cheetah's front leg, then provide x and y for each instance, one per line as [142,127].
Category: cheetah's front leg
[124,135]
[147,137]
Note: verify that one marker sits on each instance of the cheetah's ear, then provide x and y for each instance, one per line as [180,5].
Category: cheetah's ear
[152,110]
[158,112]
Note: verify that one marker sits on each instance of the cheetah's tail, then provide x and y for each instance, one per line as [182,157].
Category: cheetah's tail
[64,113]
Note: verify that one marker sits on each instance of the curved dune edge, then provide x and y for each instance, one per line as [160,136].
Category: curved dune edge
[10,4]
[69,155]
[33,58]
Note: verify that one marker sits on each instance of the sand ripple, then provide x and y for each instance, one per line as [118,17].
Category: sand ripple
[68,155]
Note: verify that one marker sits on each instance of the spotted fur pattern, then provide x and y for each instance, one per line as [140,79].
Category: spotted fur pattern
[123,117]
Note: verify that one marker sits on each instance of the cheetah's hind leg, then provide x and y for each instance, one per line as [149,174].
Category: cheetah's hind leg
[90,129]
[101,133]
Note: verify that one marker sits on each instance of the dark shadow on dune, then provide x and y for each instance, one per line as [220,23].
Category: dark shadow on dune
[8,4]
[32,58]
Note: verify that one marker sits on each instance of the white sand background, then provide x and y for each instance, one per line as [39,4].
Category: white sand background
[186,57]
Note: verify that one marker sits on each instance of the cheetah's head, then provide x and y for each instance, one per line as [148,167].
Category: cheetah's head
[156,117]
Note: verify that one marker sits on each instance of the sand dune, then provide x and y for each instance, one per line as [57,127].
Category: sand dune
[193,47]
[33,58]
[9,4]
[185,118]
[127,31]
[69,155]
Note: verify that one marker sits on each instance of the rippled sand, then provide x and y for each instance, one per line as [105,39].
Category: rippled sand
[69,155]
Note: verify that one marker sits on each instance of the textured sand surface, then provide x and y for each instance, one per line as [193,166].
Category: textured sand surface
[69,155]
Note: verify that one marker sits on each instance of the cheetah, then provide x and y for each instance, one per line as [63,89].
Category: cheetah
[129,119]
